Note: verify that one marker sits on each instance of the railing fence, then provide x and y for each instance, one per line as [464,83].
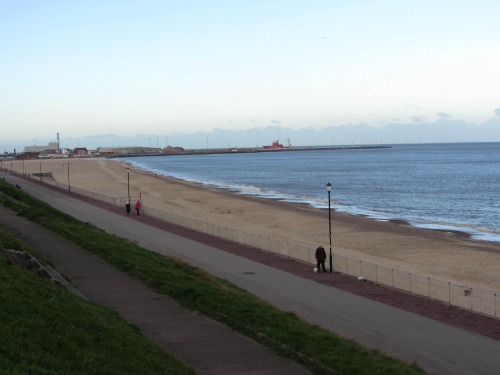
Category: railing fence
[467,297]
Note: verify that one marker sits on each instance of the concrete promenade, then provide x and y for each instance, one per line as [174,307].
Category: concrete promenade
[436,346]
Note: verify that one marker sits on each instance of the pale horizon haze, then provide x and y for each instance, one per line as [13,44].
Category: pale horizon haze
[109,73]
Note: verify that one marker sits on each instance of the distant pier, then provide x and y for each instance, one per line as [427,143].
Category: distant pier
[236,150]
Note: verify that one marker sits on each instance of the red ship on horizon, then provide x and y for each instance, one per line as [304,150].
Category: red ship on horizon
[277,145]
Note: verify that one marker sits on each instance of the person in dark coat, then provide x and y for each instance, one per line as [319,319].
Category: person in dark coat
[127,207]
[320,258]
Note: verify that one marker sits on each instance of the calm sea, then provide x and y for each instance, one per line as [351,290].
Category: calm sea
[439,186]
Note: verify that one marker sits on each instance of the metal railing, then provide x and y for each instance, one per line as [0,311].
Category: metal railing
[450,292]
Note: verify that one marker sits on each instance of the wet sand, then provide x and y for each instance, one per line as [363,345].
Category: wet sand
[444,255]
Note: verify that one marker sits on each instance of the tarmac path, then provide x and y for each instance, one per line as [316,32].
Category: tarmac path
[470,345]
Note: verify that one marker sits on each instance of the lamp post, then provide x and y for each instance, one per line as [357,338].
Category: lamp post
[69,186]
[128,183]
[329,189]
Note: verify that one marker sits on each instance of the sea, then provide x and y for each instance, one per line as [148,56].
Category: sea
[451,186]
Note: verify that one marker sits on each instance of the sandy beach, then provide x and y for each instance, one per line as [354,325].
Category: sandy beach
[443,255]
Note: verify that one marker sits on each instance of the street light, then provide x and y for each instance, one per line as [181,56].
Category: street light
[329,189]
[69,186]
[128,183]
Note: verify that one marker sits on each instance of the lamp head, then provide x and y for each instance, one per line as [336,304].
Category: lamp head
[328,187]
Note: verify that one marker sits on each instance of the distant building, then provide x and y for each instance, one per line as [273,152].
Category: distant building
[52,147]
[80,152]
[172,150]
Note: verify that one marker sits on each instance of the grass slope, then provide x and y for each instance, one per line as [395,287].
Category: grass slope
[46,330]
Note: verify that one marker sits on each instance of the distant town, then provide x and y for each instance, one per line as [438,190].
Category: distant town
[54,150]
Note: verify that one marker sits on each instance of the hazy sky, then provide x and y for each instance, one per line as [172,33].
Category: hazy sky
[163,67]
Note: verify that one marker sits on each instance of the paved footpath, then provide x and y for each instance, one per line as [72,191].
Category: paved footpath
[439,338]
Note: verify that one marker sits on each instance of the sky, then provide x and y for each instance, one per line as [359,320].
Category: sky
[103,69]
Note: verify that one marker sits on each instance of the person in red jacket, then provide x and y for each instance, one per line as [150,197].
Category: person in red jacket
[138,207]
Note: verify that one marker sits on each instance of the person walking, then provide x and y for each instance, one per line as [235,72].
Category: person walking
[127,207]
[320,256]
[138,207]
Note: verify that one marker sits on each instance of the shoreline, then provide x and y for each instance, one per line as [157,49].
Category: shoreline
[447,255]
[452,228]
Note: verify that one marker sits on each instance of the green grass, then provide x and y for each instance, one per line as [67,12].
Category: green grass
[46,330]
[315,348]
